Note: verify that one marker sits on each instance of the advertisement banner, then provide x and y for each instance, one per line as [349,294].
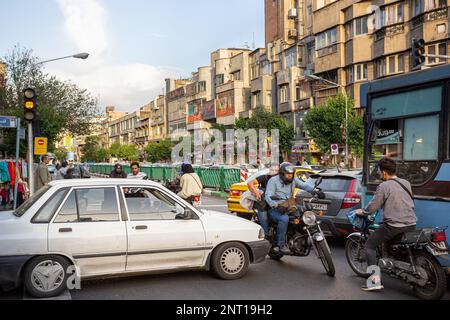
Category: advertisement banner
[209,110]
[195,111]
[225,104]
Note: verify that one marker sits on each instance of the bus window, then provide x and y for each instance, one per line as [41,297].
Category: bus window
[413,143]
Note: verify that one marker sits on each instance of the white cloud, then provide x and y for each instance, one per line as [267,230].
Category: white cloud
[127,86]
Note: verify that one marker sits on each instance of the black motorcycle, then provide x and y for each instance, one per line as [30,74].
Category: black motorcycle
[410,257]
[304,233]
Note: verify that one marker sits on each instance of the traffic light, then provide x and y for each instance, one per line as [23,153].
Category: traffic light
[29,104]
[418,52]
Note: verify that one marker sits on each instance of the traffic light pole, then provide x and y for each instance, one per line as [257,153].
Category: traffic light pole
[30,158]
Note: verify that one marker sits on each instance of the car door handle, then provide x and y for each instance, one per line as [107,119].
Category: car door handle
[65,230]
[141,227]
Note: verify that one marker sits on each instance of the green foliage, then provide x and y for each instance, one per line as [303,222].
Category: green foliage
[326,125]
[356,135]
[159,151]
[263,119]
[63,107]
[114,150]
[91,149]
[129,153]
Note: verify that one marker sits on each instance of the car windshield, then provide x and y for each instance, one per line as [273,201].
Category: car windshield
[29,203]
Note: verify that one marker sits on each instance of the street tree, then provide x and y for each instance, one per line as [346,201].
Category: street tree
[129,153]
[92,150]
[326,125]
[263,119]
[159,151]
[63,106]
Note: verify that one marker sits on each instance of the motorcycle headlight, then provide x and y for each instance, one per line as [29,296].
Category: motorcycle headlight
[309,218]
[262,235]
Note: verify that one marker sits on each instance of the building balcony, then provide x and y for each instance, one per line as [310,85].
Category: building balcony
[437,14]
[262,83]
[285,107]
[302,104]
[141,140]
[328,58]
[246,114]
[389,31]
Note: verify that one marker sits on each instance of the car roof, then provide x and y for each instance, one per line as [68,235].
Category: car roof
[102,182]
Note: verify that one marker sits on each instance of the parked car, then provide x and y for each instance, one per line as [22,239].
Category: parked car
[116,228]
[237,189]
[344,190]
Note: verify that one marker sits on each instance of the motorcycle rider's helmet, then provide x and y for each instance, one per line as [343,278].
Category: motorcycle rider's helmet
[287,168]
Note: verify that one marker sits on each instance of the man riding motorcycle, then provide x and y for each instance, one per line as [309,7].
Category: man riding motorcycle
[261,206]
[395,197]
[279,190]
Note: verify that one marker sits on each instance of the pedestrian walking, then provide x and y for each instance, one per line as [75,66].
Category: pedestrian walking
[43,176]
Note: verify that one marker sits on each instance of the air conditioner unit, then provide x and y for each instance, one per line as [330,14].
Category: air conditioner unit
[293,14]
[292,33]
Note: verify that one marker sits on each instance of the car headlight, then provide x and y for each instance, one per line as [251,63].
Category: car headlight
[309,218]
[262,234]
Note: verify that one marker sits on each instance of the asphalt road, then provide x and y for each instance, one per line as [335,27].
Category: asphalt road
[290,279]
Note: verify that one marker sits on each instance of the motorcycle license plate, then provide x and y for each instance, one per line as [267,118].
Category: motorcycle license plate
[319,207]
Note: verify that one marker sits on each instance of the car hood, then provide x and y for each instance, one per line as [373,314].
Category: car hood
[226,216]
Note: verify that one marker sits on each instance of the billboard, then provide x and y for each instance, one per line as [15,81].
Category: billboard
[225,104]
[195,111]
[209,110]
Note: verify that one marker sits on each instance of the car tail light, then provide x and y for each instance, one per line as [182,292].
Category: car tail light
[235,193]
[351,199]
[439,237]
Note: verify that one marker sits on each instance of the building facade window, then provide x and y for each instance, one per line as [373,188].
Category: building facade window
[357,27]
[291,58]
[236,76]
[326,39]
[357,72]
[201,86]
[284,94]
[266,68]
[392,14]
[438,48]
[420,6]
[390,65]
[219,79]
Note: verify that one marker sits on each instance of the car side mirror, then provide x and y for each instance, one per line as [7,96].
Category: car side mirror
[189,214]
[319,181]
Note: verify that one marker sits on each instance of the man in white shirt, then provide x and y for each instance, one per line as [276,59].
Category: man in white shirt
[136,173]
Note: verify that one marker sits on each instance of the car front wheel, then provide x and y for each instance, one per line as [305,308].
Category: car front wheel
[46,276]
[230,261]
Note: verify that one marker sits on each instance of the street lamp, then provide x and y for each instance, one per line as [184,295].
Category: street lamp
[82,56]
[334,84]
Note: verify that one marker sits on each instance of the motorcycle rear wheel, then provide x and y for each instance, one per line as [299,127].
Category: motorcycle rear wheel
[325,257]
[437,286]
[354,252]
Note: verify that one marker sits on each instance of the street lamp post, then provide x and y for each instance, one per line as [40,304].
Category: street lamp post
[82,56]
[316,78]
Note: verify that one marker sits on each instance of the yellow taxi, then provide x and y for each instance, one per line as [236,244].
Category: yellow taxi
[236,190]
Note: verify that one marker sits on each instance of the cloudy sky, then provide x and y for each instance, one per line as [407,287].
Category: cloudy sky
[134,44]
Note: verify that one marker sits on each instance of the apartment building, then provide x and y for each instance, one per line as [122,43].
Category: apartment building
[158,119]
[260,80]
[111,115]
[290,45]
[142,136]
[123,130]
[231,84]
[358,41]
[197,94]
[176,107]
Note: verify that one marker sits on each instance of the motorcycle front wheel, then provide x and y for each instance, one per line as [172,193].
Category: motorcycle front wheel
[325,257]
[437,280]
[354,252]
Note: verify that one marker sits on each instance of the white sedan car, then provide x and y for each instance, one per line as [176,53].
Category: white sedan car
[106,228]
